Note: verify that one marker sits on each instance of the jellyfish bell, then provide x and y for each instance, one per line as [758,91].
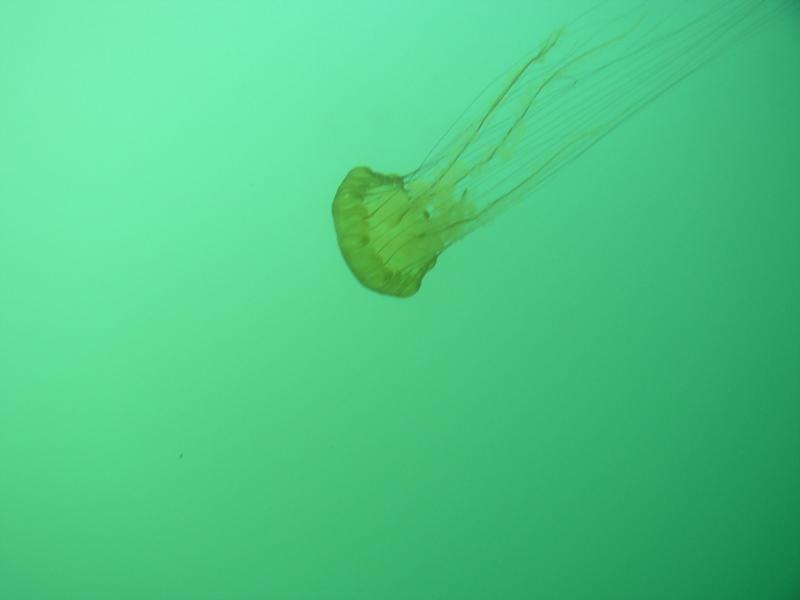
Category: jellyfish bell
[382,238]
[581,83]
[391,232]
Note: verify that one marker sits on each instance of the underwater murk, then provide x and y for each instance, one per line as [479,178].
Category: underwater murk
[576,87]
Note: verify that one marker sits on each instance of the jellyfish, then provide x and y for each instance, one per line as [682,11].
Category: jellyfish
[572,90]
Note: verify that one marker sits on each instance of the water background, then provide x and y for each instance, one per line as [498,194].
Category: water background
[595,396]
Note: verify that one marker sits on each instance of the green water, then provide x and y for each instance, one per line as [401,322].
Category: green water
[595,396]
